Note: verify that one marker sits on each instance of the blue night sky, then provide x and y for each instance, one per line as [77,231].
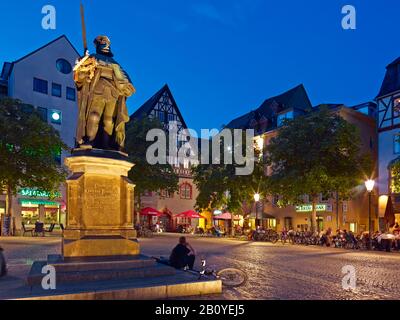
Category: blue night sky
[223,58]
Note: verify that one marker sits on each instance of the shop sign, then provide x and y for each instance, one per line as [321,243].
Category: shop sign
[29,203]
[37,193]
[308,208]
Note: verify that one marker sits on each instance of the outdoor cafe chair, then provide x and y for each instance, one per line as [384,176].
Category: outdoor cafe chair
[25,230]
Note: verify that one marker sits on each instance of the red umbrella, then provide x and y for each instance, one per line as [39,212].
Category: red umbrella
[190,214]
[150,212]
[390,218]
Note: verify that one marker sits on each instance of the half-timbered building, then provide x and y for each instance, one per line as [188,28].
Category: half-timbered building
[388,101]
[162,106]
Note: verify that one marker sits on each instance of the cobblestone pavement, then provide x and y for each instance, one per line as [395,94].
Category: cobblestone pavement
[275,271]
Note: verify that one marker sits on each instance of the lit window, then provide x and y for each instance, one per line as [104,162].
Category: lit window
[56,116]
[353,227]
[63,66]
[56,90]
[186,191]
[71,94]
[40,86]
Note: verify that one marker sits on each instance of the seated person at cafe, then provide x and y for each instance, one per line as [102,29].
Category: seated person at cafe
[183,255]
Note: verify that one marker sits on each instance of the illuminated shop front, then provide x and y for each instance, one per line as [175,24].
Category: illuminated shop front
[44,211]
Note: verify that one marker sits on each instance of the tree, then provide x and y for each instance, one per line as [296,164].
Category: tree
[317,153]
[221,188]
[28,151]
[147,177]
[395,173]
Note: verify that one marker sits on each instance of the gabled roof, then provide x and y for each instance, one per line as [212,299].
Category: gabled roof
[295,98]
[149,105]
[8,66]
[46,45]
[391,82]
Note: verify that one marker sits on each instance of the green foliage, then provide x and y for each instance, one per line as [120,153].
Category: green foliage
[318,153]
[28,148]
[395,171]
[221,188]
[150,178]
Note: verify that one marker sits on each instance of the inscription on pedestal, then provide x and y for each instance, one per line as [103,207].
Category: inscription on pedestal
[102,201]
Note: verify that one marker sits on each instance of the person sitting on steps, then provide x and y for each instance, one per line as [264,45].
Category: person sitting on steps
[183,255]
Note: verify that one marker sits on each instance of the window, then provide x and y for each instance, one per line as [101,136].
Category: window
[325,197]
[396,143]
[27,108]
[56,116]
[353,227]
[284,116]
[171,117]
[42,112]
[71,94]
[40,86]
[166,194]
[63,66]
[56,90]
[161,116]
[186,191]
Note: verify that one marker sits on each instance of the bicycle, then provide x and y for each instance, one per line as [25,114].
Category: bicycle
[145,233]
[230,277]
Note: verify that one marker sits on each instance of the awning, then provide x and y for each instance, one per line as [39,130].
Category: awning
[227,216]
[190,214]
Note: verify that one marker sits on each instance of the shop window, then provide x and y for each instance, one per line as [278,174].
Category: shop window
[186,191]
[288,223]
[353,227]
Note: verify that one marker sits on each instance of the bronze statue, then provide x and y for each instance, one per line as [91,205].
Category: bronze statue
[103,87]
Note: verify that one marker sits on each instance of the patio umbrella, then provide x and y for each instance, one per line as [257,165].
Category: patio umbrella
[390,218]
[150,212]
[190,214]
[226,216]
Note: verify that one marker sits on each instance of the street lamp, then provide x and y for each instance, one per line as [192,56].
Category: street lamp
[369,184]
[257,199]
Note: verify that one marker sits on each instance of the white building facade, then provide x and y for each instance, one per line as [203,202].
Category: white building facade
[44,79]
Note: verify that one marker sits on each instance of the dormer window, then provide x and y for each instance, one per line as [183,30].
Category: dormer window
[284,116]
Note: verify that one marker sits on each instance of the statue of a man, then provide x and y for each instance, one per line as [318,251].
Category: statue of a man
[103,87]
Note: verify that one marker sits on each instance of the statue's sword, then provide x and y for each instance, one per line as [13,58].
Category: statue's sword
[85,46]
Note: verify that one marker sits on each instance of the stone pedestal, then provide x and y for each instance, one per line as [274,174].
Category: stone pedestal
[100,204]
